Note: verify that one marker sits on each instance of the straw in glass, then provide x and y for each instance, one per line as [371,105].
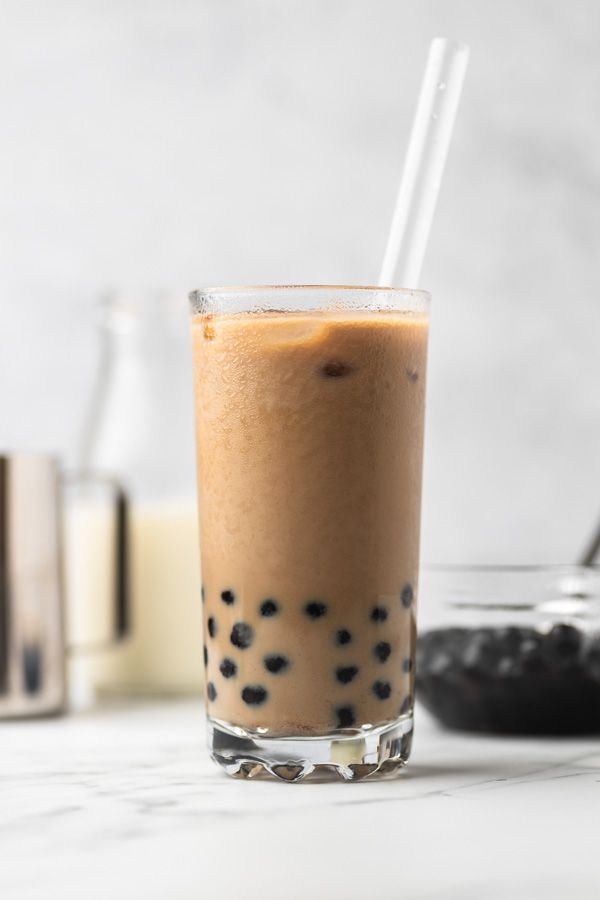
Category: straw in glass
[424,164]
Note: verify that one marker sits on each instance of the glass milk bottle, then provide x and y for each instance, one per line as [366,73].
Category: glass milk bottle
[140,432]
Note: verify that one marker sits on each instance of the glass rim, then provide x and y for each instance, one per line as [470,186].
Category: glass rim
[255,289]
[509,568]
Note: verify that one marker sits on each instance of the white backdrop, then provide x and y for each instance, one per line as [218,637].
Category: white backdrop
[176,143]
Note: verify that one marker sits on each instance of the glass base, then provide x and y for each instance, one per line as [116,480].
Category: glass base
[365,753]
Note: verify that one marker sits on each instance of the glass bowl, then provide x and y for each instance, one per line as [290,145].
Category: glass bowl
[512,650]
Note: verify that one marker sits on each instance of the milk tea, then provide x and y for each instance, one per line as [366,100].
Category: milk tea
[309,454]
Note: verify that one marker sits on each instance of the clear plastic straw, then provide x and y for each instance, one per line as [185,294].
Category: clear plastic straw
[424,164]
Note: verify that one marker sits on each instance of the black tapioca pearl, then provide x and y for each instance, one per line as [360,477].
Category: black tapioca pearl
[406,705]
[382,650]
[379,614]
[241,635]
[205,650]
[269,608]
[440,665]
[450,639]
[211,691]
[228,597]
[254,694]
[228,668]
[508,639]
[531,657]
[345,674]
[212,626]
[407,664]
[382,689]
[480,655]
[564,642]
[592,660]
[508,667]
[346,717]
[343,636]
[276,663]
[406,596]
[413,375]
[335,368]
[315,609]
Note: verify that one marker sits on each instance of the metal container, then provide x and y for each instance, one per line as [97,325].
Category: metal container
[33,642]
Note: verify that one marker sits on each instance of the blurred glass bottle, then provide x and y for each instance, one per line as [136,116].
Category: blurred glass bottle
[139,430]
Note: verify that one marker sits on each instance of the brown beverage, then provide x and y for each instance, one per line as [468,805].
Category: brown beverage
[309,442]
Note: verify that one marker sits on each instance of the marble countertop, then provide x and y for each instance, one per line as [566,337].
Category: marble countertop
[123,802]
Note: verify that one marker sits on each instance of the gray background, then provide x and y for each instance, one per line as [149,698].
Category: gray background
[178,143]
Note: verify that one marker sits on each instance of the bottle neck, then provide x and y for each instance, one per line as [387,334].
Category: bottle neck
[139,426]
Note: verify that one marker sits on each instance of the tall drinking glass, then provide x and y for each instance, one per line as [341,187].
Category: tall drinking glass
[309,434]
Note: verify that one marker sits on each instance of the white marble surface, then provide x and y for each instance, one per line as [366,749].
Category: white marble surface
[124,803]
